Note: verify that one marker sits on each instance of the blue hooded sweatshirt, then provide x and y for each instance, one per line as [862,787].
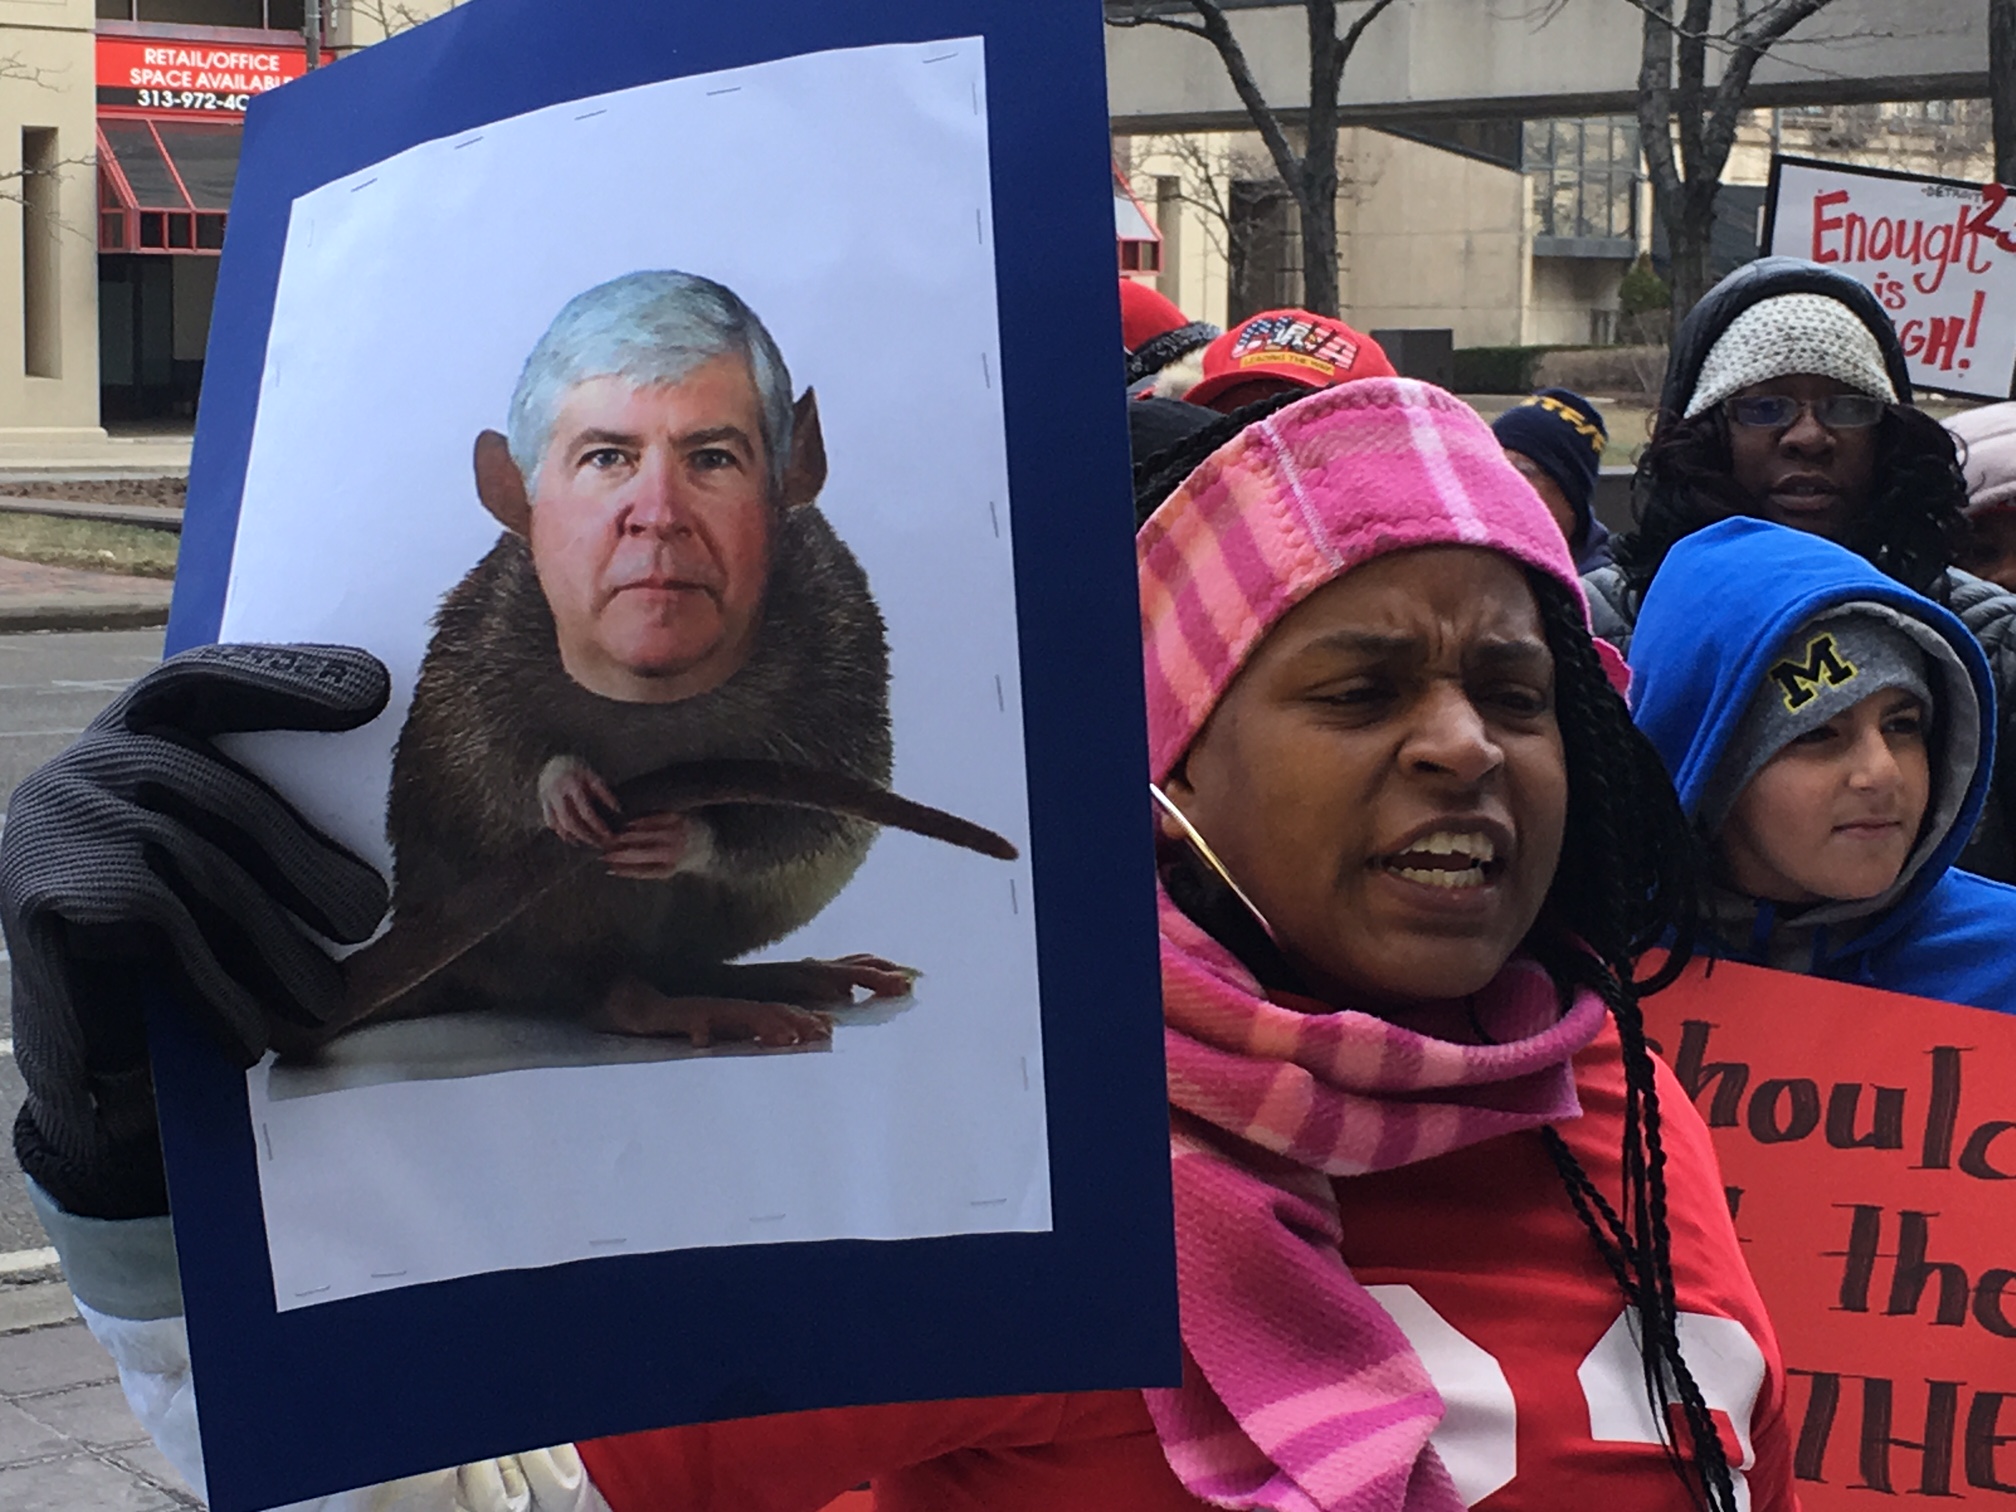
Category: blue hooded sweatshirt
[1727,602]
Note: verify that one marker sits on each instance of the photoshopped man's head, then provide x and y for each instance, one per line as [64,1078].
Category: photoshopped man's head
[653,447]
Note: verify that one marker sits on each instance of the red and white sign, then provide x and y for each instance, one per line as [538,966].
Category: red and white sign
[1868,1140]
[1939,253]
[189,78]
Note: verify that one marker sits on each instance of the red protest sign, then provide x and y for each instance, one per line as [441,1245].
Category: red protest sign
[1867,1139]
[1939,253]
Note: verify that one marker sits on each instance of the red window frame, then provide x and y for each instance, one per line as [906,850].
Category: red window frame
[1137,254]
[126,225]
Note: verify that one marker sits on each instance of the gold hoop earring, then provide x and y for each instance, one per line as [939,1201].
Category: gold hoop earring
[1210,857]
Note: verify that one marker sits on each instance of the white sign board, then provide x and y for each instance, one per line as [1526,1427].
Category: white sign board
[369,1180]
[1939,253]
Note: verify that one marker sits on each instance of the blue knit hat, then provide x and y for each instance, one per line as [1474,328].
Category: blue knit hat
[1564,433]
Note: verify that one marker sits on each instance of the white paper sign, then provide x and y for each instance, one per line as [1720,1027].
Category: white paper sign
[1940,255]
[846,198]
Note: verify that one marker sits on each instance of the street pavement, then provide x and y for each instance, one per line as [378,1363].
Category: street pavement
[134,451]
[35,596]
[68,1442]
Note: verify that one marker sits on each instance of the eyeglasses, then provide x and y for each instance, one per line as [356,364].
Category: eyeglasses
[1780,412]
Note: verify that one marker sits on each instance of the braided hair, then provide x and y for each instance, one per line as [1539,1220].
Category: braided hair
[1910,529]
[1628,880]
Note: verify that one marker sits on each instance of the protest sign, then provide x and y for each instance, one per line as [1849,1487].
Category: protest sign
[461,408]
[1939,253]
[1865,1138]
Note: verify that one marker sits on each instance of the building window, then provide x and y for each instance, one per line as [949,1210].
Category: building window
[263,15]
[1585,177]
[1265,247]
[1907,115]
[41,309]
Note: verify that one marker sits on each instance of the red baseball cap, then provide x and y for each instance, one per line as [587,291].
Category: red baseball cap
[1293,346]
[1146,313]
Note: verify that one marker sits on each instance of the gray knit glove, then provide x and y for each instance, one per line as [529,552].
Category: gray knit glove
[143,857]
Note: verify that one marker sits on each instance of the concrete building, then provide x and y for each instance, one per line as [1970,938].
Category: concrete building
[119,130]
[1490,177]
[1509,233]
[1490,168]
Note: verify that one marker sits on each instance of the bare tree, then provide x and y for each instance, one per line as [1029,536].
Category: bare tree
[1311,176]
[1675,99]
[2002,85]
[1950,141]
[15,69]
[19,186]
[1205,174]
[390,17]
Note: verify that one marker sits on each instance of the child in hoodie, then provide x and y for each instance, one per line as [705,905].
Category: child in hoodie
[1830,733]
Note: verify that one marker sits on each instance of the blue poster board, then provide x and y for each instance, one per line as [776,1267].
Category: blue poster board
[303,1400]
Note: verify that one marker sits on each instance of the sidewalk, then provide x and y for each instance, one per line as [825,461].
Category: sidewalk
[68,1441]
[35,597]
[149,452]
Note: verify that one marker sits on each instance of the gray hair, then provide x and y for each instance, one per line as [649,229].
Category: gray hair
[647,328]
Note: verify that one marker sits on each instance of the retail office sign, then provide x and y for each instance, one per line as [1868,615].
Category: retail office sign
[1868,1141]
[1939,253]
[186,78]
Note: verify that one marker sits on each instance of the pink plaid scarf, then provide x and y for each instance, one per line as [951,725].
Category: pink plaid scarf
[1299,1392]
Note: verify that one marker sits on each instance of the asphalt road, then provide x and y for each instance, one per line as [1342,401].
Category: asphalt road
[50,688]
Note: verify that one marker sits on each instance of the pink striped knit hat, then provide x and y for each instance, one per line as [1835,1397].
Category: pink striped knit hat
[1299,499]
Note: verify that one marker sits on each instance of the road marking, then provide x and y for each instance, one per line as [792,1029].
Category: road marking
[16,1261]
[6,1047]
[23,734]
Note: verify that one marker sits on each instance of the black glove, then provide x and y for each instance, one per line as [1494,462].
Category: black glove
[143,857]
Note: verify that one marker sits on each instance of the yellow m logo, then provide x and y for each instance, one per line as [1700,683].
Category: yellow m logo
[1801,682]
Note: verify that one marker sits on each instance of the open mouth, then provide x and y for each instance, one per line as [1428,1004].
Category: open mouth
[1449,859]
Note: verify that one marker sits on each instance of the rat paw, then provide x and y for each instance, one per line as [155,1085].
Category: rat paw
[658,846]
[826,982]
[635,1009]
[575,803]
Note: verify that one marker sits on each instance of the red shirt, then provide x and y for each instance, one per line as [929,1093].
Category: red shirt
[1493,1278]
[1500,1288]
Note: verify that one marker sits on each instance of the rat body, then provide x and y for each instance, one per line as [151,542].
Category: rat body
[651,730]
[494,711]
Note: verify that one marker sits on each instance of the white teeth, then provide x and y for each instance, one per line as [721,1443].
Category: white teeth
[1456,843]
[1470,876]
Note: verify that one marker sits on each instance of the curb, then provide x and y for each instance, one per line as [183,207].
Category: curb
[35,1304]
[20,619]
[142,516]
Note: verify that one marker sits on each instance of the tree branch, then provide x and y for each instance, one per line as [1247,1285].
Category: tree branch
[14,191]
[1760,29]
[1168,22]
[1655,99]
[1756,35]
[1690,84]
[1357,30]
[16,70]
[1218,31]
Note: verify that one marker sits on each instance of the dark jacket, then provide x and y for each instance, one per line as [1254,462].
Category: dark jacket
[1988,611]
